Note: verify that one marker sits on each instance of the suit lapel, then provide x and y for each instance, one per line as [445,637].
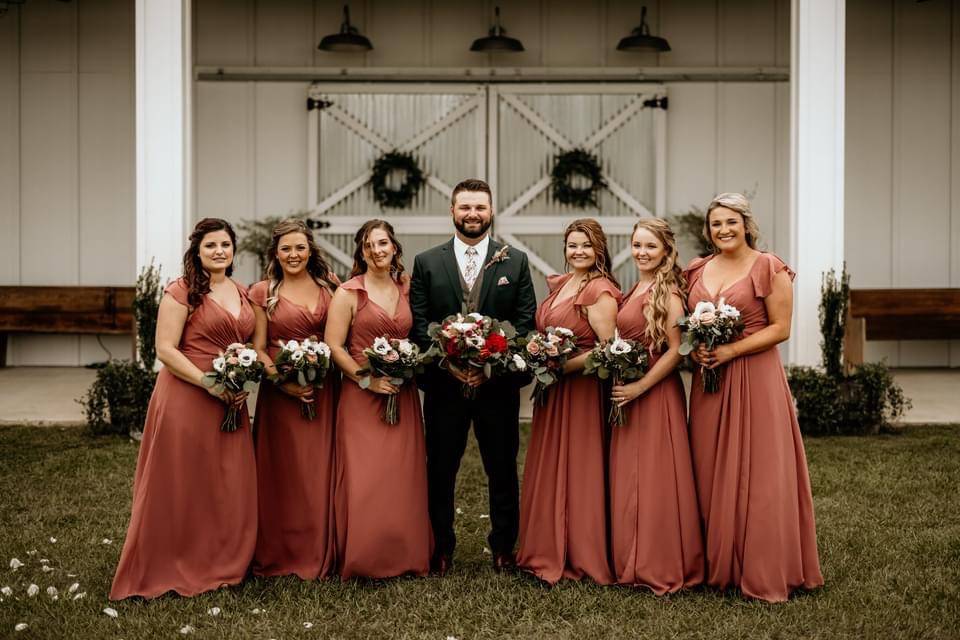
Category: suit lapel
[489,274]
[449,260]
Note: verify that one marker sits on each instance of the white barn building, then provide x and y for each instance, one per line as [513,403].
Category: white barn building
[123,122]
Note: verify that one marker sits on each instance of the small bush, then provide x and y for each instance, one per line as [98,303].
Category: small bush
[862,402]
[117,401]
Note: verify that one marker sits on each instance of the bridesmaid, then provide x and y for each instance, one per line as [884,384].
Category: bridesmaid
[193,526]
[748,456]
[294,456]
[382,524]
[563,519]
[654,521]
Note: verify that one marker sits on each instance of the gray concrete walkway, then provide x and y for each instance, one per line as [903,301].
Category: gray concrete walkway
[48,395]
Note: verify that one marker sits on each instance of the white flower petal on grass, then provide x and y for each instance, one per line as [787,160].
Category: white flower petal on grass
[106,541]
[46,568]
[308,625]
[484,516]
[53,540]
[71,575]
[53,593]
[82,594]
[185,629]
[110,611]
[255,611]
[20,626]
[486,550]
[7,591]
[452,638]
[15,563]
[73,587]
[44,561]
[213,611]
[459,511]
[32,552]
[33,590]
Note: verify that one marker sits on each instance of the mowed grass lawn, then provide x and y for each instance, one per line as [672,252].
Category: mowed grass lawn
[888,516]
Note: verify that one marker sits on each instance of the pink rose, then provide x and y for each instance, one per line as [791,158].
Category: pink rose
[552,350]
[708,317]
[391,356]
[232,360]
[533,348]
[311,357]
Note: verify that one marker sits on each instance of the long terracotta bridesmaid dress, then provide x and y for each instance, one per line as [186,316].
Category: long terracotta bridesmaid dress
[294,456]
[193,526]
[654,520]
[563,518]
[382,523]
[748,457]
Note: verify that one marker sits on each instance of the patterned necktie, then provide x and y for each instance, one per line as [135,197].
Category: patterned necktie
[472,267]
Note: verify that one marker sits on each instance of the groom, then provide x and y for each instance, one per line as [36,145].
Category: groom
[472,273]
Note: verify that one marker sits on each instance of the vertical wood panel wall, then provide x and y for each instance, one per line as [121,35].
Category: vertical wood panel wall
[67,123]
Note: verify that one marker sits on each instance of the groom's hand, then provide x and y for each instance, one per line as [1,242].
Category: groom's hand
[469,376]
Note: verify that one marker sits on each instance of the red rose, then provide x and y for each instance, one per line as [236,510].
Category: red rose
[496,343]
[452,348]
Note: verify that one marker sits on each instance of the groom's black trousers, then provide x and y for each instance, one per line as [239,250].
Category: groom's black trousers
[494,414]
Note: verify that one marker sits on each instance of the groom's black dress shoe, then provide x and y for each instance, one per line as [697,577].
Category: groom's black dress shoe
[504,562]
[441,564]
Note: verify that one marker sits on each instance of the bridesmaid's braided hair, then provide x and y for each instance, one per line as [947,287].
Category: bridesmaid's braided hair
[669,276]
[196,277]
[360,239]
[317,266]
[603,266]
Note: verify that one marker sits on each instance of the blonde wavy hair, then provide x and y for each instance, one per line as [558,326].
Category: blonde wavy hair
[669,276]
[317,267]
[735,202]
[603,265]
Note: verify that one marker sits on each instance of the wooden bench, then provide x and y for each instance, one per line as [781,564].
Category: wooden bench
[900,314]
[87,310]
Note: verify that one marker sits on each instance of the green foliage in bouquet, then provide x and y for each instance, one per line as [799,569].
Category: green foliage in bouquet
[116,403]
[831,401]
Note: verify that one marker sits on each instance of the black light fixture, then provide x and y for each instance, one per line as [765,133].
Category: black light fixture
[641,40]
[349,39]
[496,41]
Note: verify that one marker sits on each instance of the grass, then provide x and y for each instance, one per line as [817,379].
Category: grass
[888,520]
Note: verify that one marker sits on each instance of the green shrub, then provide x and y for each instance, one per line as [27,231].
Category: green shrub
[864,401]
[116,402]
[834,300]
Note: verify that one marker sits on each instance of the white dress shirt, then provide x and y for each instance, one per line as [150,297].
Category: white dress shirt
[460,251]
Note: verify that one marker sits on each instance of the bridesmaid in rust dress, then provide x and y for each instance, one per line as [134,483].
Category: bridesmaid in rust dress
[193,525]
[749,462]
[563,519]
[654,520]
[382,523]
[294,455]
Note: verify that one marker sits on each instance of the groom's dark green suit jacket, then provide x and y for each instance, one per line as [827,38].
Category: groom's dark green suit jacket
[506,293]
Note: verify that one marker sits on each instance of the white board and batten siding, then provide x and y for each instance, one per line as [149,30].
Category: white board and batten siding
[67,123]
[67,175]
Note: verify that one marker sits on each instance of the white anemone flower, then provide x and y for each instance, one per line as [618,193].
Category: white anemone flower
[381,346]
[247,357]
[33,590]
[292,345]
[405,347]
[704,306]
[219,364]
[297,355]
[323,349]
[15,564]
[519,362]
[619,346]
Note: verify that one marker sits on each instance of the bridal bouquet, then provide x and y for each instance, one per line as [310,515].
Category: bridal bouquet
[306,363]
[237,369]
[473,341]
[623,360]
[397,359]
[710,325]
[544,354]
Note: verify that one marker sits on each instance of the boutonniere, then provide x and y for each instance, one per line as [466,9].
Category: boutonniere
[499,256]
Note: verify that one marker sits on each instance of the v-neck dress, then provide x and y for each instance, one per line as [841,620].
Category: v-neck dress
[654,520]
[193,525]
[382,523]
[294,456]
[748,457]
[563,516]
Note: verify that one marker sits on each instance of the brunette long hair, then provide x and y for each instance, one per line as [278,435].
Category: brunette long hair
[603,266]
[360,239]
[196,277]
[317,266]
[669,276]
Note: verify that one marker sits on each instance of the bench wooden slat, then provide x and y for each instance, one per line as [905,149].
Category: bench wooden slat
[867,303]
[932,327]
